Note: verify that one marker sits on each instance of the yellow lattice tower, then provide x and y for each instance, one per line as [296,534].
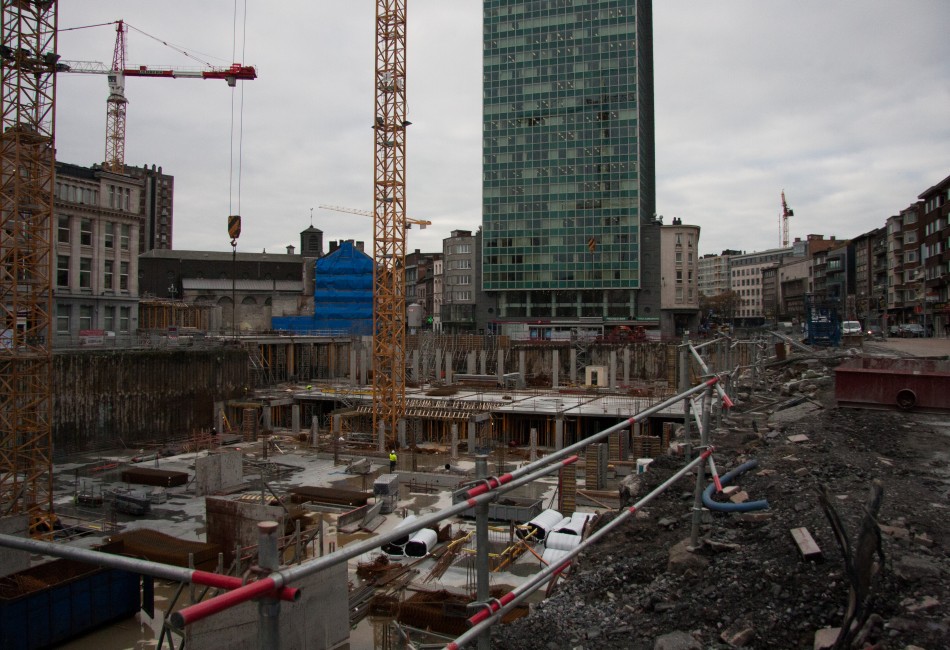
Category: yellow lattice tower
[27,98]
[389,207]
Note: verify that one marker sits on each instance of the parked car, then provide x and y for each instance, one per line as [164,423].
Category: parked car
[894,330]
[851,328]
[912,331]
[874,331]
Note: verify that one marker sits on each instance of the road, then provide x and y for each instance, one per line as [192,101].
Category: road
[926,347]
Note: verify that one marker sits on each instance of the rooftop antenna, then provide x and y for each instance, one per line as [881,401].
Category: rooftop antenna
[311,217]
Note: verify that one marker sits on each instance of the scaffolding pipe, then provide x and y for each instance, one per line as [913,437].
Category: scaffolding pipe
[597,437]
[700,473]
[282,577]
[702,364]
[493,612]
[134,565]
[481,548]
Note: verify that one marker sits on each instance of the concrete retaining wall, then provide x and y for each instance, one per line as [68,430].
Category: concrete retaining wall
[131,397]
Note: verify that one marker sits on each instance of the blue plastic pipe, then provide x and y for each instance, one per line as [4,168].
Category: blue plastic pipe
[748,506]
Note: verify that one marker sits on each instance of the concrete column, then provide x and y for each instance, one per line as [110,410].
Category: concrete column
[438,364]
[626,366]
[266,417]
[483,362]
[366,358]
[291,366]
[500,367]
[448,368]
[314,432]
[555,367]
[335,435]
[415,367]
[295,418]
[218,416]
[354,380]
[533,449]
[523,364]
[381,436]
[471,436]
[470,363]
[455,442]
[401,428]
[559,433]
[573,374]
[613,369]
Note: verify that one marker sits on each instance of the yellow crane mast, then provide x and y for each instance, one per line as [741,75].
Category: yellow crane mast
[28,62]
[389,227]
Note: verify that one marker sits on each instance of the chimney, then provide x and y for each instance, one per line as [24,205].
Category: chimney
[359,247]
[333,245]
[290,249]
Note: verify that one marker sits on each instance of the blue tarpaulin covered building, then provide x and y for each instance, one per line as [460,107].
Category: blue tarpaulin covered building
[342,297]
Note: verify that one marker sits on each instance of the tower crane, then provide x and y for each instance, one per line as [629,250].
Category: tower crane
[116,102]
[28,62]
[389,227]
[366,213]
[786,213]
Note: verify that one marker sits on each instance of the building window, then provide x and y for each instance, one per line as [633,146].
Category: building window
[107,281]
[124,237]
[112,196]
[62,270]
[85,232]
[62,319]
[127,204]
[109,235]
[85,317]
[124,276]
[63,235]
[124,318]
[85,272]
[109,319]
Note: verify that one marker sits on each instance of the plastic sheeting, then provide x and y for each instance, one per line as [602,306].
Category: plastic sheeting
[574,525]
[561,541]
[398,546]
[542,524]
[342,297]
[421,543]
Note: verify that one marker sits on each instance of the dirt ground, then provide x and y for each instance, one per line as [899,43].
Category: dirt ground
[748,585]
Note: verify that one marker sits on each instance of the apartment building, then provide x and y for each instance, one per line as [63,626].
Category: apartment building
[98,221]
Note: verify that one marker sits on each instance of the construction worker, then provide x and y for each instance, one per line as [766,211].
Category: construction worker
[392,461]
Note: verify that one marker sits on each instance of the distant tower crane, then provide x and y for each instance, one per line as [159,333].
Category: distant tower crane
[116,102]
[786,213]
[389,228]
[28,62]
[366,213]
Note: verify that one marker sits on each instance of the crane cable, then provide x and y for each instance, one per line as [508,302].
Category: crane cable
[240,126]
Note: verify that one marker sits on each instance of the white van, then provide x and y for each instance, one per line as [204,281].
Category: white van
[851,328]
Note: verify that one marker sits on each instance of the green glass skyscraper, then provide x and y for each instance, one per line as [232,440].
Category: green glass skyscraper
[569,230]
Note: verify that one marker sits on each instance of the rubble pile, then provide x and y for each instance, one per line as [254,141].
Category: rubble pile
[749,583]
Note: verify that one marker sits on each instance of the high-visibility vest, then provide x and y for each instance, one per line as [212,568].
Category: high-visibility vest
[392,457]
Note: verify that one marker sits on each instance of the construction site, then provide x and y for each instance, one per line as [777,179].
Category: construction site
[419,490]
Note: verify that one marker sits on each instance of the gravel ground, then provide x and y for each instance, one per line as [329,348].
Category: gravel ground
[747,585]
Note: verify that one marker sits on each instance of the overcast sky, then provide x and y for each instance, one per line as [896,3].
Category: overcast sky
[843,104]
